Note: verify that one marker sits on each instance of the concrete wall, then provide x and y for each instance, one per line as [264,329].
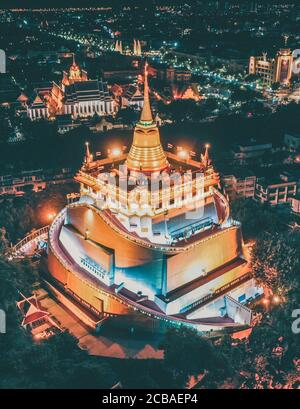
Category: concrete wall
[208,288]
[212,253]
[141,269]
[79,248]
[84,288]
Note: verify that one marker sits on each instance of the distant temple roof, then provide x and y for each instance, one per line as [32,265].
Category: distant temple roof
[86,91]
[37,101]
[133,93]
[75,74]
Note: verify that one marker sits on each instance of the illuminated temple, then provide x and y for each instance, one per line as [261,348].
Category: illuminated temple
[150,241]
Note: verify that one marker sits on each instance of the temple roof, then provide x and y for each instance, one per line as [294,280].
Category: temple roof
[86,91]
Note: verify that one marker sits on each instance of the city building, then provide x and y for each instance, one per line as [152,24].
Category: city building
[240,184]
[276,190]
[295,204]
[169,73]
[34,180]
[242,153]
[76,95]
[273,70]
[150,243]
[292,140]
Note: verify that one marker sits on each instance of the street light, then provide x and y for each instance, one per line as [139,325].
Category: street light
[51,216]
[116,152]
[182,153]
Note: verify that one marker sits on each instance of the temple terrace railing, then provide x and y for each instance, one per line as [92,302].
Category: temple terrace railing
[73,268]
[220,291]
[27,242]
[171,249]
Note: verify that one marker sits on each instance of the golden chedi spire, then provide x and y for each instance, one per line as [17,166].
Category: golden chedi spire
[146,153]
[88,156]
[205,159]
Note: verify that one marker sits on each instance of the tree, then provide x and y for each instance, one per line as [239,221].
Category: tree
[275,262]
[19,215]
[128,116]
[244,95]
[4,242]
[187,353]
[275,86]
[256,218]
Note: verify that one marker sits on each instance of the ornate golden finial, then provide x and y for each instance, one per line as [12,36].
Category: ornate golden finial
[73,56]
[286,38]
[88,155]
[205,158]
[146,115]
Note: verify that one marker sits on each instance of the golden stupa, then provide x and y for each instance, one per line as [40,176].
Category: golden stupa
[146,153]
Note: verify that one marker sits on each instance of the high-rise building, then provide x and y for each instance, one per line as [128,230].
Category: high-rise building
[273,70]
[151,241]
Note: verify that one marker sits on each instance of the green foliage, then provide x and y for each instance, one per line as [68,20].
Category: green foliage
[257,218]
[186,353]
[127,116]
[54,363]
[275,262]
[188,110]
[19,215]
